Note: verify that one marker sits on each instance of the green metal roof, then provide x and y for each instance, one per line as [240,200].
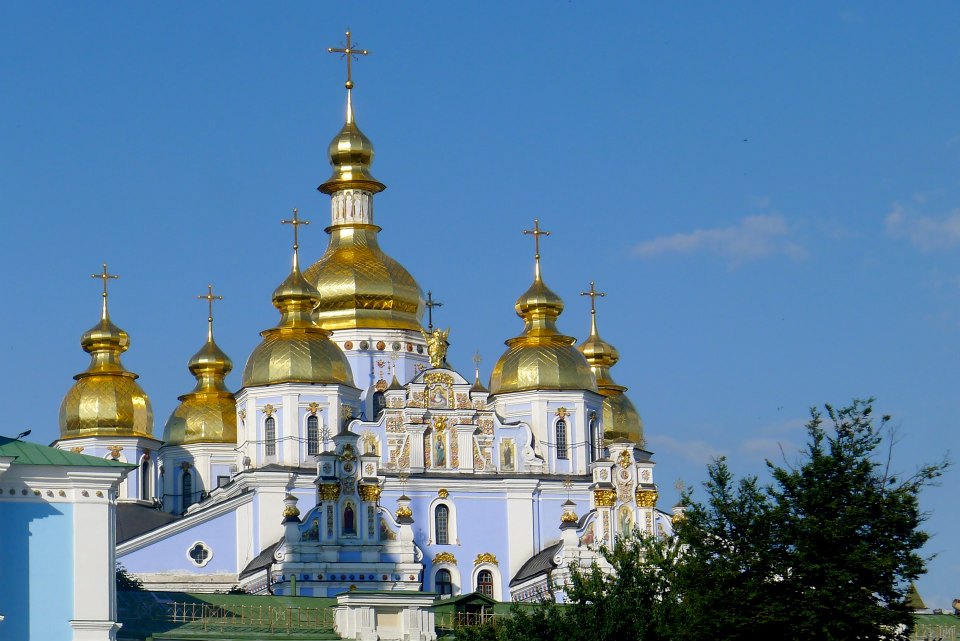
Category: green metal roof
[25,453]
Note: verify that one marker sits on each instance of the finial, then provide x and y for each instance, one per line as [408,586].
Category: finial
[104,276]
[209,297]
[476,363]
[568,485]
[430,304]
[296,222]
[678,485]
[349,52]
[536,232]
[593,294]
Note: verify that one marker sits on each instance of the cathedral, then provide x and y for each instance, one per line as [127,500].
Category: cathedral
[353,456]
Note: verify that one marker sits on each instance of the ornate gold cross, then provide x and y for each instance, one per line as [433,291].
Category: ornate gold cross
[296,222]
[209,297]
[348,52]
[593,293]
[430,304]
[536,232]
[104,276]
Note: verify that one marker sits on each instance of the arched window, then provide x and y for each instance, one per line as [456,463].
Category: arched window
[596,435]
[485,583]
[379,403]
[145,479]
[441,523]
[270,436]
[561,439]
[186,492]
[444,582]
[313,435]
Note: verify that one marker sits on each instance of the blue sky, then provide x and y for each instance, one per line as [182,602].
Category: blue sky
[769,195]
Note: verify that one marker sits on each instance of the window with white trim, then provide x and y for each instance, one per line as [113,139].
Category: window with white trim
[442,523]
[313,435]
[270,436]
[443,583]
[485,583]
[561,431]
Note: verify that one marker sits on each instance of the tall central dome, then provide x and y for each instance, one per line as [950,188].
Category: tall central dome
[360,286]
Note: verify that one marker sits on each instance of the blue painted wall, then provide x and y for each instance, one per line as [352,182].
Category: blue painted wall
[219,534]
[36,571]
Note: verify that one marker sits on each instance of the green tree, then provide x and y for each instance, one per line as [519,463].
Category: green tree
[850,529]
[634,602]
[826,551]
[127,582]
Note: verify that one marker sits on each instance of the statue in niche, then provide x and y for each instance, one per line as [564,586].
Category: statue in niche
[349,520]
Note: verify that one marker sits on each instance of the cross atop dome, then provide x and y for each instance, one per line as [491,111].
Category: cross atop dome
[593,294]
[350,54]
[536,232]
[105,276]
[209,297]
[295,222]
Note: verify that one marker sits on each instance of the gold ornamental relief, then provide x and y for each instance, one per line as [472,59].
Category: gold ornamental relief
[404,512]
[624,460]
[646,498]
[486,557]
[443,493]
[329,491]
[445,557]
[313,408]
[370,492]
[604,498]
[290,511]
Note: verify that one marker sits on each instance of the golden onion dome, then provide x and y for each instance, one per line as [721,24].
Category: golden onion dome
[361,286]
[351,154]
[620,418]
[208,413]
[297,350]
[541,357]
[106,399]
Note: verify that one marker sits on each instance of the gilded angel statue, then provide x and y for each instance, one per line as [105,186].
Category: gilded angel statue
[436,345]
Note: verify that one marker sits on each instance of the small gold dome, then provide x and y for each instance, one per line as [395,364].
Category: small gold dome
[208,413]
[351,154]
[360,286]
[297,350]
[620,418]
[106,399]
[540,358]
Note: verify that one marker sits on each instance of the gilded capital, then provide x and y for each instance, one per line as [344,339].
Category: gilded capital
[604,498]
[329,491]
[646,498]
[370,492]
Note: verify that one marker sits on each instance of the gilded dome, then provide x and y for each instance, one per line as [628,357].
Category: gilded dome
[541,357]
[208,413]
[351,154]
[297,350]
[620,418]
[360,286]
[106,399]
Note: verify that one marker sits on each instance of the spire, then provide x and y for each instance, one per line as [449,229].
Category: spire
[600,354]
[477,385]
[539,306]
[210,365]
[295,297]
[349,53]
[536,232]
[105,341]
[350,151]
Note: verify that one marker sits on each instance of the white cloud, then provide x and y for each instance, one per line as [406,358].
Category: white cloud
[924,232]
[694,451]
[754,237]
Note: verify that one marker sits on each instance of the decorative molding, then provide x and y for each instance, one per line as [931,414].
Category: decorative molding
[443,493]
[268,409]
[604,498]
[562,412]
[646,498]
[445,557]
[370,492]
[486,557]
